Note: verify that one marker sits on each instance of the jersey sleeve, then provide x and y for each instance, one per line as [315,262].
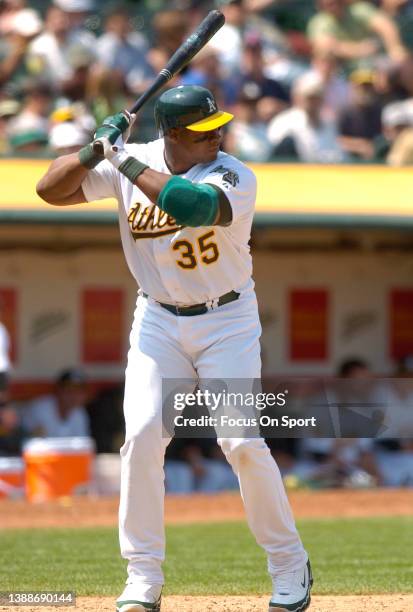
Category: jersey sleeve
[105,181]
[101,182]
[239,185]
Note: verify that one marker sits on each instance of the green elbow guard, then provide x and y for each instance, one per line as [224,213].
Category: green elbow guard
[191,204]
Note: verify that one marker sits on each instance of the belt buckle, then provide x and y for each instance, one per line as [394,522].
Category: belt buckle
[180,309]
[212,304]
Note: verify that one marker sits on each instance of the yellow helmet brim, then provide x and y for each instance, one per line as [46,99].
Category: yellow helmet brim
[211,123]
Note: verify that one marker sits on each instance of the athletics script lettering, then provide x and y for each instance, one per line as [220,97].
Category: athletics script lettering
[150,222]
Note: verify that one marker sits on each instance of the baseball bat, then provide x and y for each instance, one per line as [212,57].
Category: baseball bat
[182,56]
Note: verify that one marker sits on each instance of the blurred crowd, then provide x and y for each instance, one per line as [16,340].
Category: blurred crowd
[319,81]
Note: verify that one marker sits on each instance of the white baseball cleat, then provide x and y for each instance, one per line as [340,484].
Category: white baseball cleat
[140,598]
[291,592]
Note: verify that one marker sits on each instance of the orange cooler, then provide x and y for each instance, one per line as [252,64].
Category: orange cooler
[11,477]
[58,467]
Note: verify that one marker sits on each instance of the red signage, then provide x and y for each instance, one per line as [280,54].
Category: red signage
[8,310]
[401,323]
[308,324]
[102,325]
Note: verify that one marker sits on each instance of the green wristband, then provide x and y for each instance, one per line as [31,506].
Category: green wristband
[88,157]
[132,168]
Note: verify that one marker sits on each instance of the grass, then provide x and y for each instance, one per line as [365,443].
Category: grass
[357,556]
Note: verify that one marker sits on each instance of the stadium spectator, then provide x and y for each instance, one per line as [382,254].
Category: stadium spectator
[77,112]
[107,425]
[397,121]
[67,137]
[403,385]
[50,55]
[228,40]
[217,473]
[396,396]
[28,130]
[343,460]
[284,50]
[251,58]
[77,13]
[18,26]
[301,132]
[30,142]
[336,86]
[61,414]
[4,350]
[72,126]
[403,75]
[197,466]
[401,12]
[247,135]
[9,108]
[359,124]
[271,96]
[121,52]
[355,32]
[205,70]
[8,10]
[12,433]
[394,449]
[285,452]
[401,153]
[37,99]
[169,30]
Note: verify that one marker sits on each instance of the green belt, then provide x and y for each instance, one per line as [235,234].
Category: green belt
[198,309]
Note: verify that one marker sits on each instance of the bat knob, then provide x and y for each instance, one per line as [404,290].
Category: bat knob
[98,147]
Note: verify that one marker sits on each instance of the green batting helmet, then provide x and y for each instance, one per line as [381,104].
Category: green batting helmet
[189,106]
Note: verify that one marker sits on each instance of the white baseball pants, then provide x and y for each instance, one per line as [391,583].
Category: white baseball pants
[223,343]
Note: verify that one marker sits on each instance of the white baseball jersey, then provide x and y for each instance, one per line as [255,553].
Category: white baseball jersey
[172,263]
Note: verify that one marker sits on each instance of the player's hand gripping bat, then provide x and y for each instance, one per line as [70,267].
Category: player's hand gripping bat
[192,45]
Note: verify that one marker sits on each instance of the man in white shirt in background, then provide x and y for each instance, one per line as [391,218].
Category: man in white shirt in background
[301,131]
[61,414]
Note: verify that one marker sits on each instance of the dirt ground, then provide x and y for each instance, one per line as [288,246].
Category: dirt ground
[92,512]
[371,603]
[78,512]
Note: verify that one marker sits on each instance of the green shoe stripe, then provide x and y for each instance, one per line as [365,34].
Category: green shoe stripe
[149,606]
[298,606]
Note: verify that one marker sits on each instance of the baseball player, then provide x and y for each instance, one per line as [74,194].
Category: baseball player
[185,214]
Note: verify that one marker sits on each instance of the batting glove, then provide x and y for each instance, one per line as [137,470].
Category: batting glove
[111,129]
[122,160]
[115,126]
[115,151]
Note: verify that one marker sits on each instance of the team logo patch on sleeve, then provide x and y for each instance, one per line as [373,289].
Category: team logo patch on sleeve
[228,176]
